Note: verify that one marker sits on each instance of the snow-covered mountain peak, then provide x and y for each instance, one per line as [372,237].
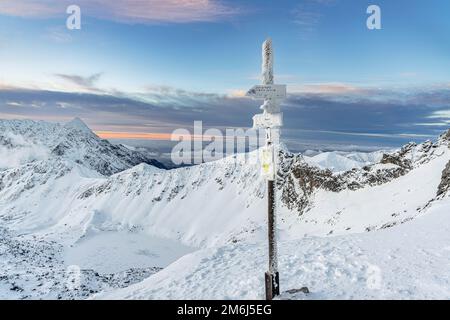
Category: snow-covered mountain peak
[78,124]
[30,141]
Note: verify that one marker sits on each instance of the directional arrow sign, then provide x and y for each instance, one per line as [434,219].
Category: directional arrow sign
[268,91]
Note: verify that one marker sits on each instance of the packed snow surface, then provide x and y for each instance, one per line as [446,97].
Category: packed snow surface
[399,263]
[110,252]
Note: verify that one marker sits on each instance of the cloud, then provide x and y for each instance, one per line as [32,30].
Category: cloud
[14,104]
[330,114]
[5,86]
[409,74]
[84,83]
[24,152]
[31,8]
[237,93]
[59,35]
[326,88]
[442,114]
[306,19]
[308,15]
[134,135]
[128,11]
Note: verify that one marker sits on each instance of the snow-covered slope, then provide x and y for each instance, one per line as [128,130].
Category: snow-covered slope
[407,262]
[377,196]
[67,198]
[338,161]
[218,202]
[404,198]
[222,201]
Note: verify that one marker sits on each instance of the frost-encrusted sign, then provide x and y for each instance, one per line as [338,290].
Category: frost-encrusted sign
[269,91]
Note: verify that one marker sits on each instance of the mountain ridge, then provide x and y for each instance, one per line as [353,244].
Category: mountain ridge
[73,141]
[216,207]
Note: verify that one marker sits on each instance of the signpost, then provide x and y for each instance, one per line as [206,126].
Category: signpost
[268,120]
[268,91]
[271,120]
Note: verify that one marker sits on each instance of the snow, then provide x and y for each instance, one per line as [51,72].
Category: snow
[79,125]
[373,206]
[338,161]
[74,142]
[111,251]
[24,151]
[206,224]
[410,261]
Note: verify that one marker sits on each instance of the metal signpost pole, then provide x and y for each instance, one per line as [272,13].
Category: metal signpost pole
[270,120]
[272,276]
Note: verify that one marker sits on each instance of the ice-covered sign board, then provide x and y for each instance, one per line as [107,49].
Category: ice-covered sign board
[266,157]
[268,91]
[268,120]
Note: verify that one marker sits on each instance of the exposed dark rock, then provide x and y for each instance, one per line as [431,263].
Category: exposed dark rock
[444,186]
[298,181]
[304,290]
[398,158]
[445,136]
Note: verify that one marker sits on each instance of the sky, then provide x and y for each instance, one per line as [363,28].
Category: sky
[139,69]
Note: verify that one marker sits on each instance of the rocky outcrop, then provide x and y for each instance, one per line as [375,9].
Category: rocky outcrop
[299,185]
[399,158]
[445,136]
[298,181]
[444,186]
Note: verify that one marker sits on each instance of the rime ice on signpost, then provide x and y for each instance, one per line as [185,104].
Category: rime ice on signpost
[271,120]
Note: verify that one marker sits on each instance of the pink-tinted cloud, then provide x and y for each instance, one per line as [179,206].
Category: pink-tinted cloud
[31,8]
[6,86]
[128,11]
[326,88]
